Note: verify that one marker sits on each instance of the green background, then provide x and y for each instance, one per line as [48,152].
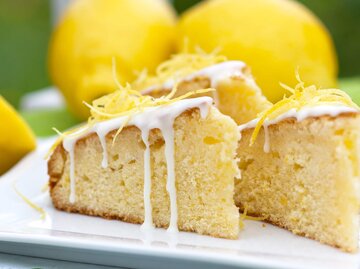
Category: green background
[25,28]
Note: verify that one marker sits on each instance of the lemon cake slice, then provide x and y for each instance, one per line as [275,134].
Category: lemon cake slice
[158,162]
[236,95]
[300,165]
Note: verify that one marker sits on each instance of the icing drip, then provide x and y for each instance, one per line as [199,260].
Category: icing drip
[220,71]
[148,222]
[266,139]
[300,115]
[161,117]
[168,133]
[102,139]
[214,72]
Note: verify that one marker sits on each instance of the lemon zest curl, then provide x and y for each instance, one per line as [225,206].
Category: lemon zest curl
[30,203]
[301,96]
[177,67]
[123,102]
[245,216]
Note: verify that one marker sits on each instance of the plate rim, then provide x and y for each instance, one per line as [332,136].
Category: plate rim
[71,243]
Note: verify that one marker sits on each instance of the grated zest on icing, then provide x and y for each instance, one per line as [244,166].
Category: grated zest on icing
[123,102]
[127,102]
[177,67]
[302,96]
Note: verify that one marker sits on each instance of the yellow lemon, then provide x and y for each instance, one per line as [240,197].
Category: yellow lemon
[137,34]
[16,138]
[274,37]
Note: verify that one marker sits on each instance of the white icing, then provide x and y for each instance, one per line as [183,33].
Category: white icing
[220,71]
[168,133]
[214,72]
[160,117]
[300,115]
[148,222]
[266,139]
[102,138]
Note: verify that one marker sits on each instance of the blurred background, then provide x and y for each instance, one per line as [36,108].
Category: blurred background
[26,25]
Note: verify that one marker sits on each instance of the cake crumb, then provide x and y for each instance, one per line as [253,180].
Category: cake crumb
[263,225]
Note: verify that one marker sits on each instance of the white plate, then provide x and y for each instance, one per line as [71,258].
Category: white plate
[94,240]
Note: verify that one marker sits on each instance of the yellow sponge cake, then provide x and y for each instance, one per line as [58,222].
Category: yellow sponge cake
[236,95]
[160,162]
[167,157]
[302,170]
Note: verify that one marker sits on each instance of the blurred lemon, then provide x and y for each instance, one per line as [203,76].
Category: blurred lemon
[137,34]
[16,138]
[274,37]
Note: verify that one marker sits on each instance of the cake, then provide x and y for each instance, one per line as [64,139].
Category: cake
[236,95]
[171,159]
[162,162]
[300,164]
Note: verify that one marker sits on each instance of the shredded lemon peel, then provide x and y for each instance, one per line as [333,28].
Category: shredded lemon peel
[45,187]
[123,102]
[301,96]
[245,216]
[127,100]
[177,67]
[30,203]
